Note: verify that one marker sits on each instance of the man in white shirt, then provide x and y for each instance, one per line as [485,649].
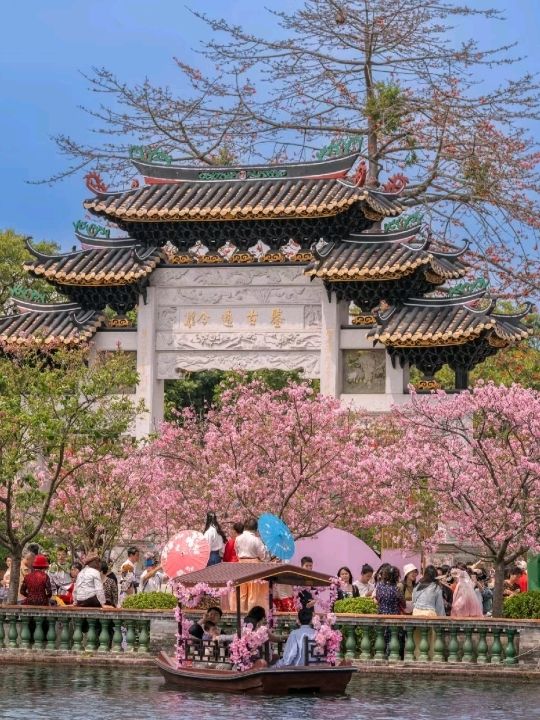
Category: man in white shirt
[152,576]
[88,590]
[133,556]
[250,549]
[294,650]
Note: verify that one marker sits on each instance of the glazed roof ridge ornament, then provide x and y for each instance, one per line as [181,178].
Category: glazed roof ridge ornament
[445,300]
[335,167]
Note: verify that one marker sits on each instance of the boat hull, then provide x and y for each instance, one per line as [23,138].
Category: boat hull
[314,678]
[333,168]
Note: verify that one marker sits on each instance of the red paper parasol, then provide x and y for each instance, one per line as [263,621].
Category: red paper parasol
[186,552]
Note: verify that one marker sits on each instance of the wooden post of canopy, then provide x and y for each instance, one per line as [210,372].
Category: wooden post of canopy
[238,615]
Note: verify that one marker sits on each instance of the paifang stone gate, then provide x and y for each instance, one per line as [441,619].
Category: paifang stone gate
[296,266]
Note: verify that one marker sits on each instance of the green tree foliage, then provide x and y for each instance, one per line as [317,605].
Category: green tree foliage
[57,414]
[13,254]
[201,390]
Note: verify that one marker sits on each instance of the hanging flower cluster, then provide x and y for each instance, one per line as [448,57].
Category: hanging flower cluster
[327,639]
[192,597]
[184,624]
[242,650]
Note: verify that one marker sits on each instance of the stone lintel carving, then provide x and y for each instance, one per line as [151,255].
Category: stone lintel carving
[228,276]
[262,295]
[170,365]
[239,341]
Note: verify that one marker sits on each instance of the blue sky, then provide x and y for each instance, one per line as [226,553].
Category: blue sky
[46,45]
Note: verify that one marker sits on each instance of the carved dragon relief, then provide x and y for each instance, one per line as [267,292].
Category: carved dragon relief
[171,365]
[288,341]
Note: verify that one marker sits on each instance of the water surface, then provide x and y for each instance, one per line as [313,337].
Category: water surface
[93,693]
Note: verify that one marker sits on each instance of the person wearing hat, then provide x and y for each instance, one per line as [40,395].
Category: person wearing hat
[152,576]
[410,573]
[88,590]
[36,586]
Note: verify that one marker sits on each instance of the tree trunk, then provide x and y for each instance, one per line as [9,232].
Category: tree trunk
[13,592]
[498,589]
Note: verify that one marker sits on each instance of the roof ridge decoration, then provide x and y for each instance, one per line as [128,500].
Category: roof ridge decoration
[174,172]
[446,300]
[25,306]
[89,242]
[529,307]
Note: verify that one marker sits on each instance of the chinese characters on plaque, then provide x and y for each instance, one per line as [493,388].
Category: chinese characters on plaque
[235,318]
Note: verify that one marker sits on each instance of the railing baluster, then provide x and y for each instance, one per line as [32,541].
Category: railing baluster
[423,654]
[130,636]
[2,632]
[496,647]
[77,634]
[409,643]
[117,636]
[65,634]
[51,634]
[365,643]
[103,639]
[25,632]
[439,654]
[379,643]
[350,642]
[91,637]
[468,645]
[393,647]
[13,635]
[144,636]
[510,652]
[481,648]
[39,633]
[453,645]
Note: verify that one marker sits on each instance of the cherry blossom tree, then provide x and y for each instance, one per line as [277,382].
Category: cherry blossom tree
[97,506]
[58,414]
[290,452]
[454,115]
[470,461]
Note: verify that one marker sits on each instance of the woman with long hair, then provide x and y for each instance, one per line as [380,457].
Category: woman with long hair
[216,538]
[346,587]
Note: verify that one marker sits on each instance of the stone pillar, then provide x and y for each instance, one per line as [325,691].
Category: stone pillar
[334,314]
[150,390]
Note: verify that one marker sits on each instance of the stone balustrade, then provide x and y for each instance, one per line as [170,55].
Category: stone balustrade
[367,639]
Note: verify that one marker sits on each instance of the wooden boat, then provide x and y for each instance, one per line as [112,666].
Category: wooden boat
[200,670]
[321,678]
[155,173]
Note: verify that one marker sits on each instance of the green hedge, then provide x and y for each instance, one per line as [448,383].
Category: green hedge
[150,601]
[358,605]
[525,605]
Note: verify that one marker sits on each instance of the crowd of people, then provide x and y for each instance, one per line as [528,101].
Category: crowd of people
[88,581]
[458,591]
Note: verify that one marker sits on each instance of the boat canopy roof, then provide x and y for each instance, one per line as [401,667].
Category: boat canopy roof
[237,573]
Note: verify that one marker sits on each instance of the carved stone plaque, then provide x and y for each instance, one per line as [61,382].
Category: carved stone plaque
[364,371]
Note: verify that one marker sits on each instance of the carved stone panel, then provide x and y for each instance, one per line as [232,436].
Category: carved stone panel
[171,364]
[364,371]
[239,341]
[229,277]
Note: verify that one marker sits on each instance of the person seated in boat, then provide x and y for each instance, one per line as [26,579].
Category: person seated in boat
[294,651]
[256,617]
[213,614]
[212,631]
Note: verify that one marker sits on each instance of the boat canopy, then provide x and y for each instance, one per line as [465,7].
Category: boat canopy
[237,573]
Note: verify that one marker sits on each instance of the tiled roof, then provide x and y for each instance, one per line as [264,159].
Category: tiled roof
[107,266]
[237,573]
[247,200]
[36,324]
[358,259]
[447,321]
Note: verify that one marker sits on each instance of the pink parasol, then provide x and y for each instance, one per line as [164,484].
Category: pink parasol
[185,552]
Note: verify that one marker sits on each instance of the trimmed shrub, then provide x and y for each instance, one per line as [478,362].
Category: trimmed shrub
[358,605]
[524,605]
[150,601]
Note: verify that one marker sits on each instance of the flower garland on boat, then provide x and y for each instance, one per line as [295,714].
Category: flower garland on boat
[327,639]
[242,650]
[192,597]
[324,604]
[184,624]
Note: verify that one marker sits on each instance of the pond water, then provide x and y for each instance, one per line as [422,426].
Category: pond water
[93,693]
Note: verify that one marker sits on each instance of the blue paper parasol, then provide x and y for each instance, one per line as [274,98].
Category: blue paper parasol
[276,536]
